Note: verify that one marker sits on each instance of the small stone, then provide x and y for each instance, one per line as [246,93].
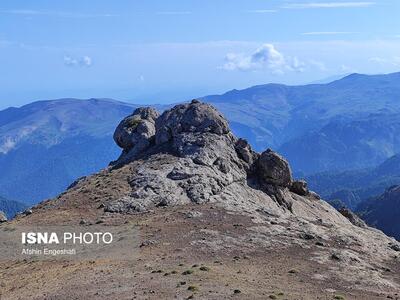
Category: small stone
[28,212]
[147,243]
[193,214]
[299,187]
[307,236]
[395,247]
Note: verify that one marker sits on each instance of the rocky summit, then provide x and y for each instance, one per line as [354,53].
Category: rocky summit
[189,155]
[215,219]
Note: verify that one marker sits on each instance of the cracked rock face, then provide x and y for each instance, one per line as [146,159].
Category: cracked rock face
[188,154]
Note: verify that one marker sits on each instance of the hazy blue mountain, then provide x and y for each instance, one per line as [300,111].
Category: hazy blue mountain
[46,145]
[383,212]
[353,187]
[11,207]
[347,124]
[390,167]
[346,144]
[351,123]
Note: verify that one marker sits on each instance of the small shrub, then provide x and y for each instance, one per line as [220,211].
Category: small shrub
[338,297]
[187,272]
[193,288]
[204,268]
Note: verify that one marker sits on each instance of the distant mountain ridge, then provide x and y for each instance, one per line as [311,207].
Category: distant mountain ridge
[48,122]
[351,123]
[46,145]
[352,187]
[348,124]
[383,212]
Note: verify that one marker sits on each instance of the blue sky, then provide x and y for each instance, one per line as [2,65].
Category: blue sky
[165,51]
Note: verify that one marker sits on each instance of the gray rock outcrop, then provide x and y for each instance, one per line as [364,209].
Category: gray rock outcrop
[352,217]
[3,217]
[189,155]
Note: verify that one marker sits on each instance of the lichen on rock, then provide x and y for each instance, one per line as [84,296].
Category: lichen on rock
[135,133]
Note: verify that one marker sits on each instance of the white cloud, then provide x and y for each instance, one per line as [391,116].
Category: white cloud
[328,5]
[84,61]
[265,57]
[69,61]
[328,32]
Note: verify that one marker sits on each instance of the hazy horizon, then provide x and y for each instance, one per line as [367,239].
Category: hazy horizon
[170,97]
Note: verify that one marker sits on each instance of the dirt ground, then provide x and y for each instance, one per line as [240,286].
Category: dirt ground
[209,254]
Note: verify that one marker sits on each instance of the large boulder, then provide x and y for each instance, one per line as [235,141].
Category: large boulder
[274,169]
[3,217]
[136,132]
[195,117]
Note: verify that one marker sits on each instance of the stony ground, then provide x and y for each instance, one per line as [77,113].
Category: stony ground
[200,252]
